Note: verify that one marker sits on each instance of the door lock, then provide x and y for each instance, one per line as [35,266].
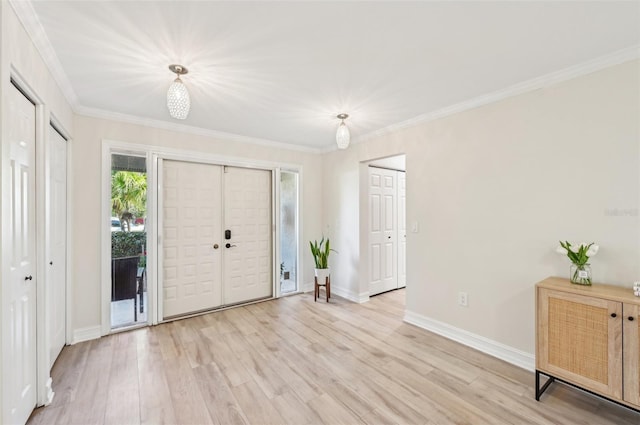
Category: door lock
[28,277]
[216,246]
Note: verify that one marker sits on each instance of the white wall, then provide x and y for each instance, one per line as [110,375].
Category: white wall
[493,190]
[86,169]
[18,55]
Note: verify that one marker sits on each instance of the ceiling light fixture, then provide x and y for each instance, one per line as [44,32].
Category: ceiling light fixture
[342,135]
[178,100]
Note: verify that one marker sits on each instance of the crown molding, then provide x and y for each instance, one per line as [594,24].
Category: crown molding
[27,16]
[188,129]
[588,67]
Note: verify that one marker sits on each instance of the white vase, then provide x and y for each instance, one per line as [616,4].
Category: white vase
[322,275]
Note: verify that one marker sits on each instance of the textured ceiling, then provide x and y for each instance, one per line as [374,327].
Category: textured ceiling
[281,71]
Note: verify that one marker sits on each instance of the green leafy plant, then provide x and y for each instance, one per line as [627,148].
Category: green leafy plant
[579,256]
[321,252]
[128,196]
[129,244]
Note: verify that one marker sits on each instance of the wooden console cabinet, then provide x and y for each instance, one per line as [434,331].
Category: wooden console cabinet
[589,337]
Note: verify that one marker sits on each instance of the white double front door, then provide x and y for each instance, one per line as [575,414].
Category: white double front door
[216,236]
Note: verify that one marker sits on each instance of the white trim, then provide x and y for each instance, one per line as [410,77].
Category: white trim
[158,241]
[29,19]
[43,340]
[105,257]
[105,241]
[584,68]
[360,298]
[86,334]
[493,348]
[26,14]
[70,286]
[190,129]
[48,393]
[276,244]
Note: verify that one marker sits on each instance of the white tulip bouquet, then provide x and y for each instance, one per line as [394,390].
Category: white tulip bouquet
[579,256]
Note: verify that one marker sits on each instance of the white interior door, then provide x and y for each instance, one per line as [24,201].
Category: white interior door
[191,228]
[383,230]
[57,243]
[402,229]
[247,214]
[19,292]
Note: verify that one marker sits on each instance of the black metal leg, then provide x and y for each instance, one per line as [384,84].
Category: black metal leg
[539,390]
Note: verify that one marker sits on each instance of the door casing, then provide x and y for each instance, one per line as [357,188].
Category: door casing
[154,154]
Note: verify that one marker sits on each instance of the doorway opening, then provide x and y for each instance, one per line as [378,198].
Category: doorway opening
[288,232]
[128,202]
[386,233]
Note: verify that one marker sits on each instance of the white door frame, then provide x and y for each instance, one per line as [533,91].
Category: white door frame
[364,266]
[278,243]
[154,155]
[108,149]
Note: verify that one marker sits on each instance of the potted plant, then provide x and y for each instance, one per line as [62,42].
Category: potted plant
[580,271]
[320,253]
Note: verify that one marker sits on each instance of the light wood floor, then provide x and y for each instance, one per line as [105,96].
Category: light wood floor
[299,362]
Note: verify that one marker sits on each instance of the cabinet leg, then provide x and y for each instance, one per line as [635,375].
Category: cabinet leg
[539,390]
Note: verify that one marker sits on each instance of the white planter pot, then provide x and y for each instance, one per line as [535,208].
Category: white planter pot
[322,275]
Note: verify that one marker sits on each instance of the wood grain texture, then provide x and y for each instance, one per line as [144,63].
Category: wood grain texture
[584,338]
[293,361]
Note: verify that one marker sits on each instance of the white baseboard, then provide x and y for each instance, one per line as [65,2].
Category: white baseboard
[496,349]
[49,392]
[307,287]
[86,334]
[360,298]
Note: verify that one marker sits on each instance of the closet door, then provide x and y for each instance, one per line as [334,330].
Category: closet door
[248,219]
[57,242]
[191,229]
[383,230]
[19,254]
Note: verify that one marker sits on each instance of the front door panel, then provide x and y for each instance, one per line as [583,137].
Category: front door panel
[247,214]
[192,196]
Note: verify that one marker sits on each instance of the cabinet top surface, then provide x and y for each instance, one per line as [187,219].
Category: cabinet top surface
[615,293]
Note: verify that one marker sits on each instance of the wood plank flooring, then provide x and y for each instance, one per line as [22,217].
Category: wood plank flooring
[293,361]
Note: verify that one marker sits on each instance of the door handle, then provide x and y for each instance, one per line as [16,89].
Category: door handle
[216,246]
[28,277]
[228,245]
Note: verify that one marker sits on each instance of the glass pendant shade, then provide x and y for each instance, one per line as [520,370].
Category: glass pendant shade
[343,136]
[178,100]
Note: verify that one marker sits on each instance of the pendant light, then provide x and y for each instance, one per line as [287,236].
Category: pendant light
[178,100]
[342,135]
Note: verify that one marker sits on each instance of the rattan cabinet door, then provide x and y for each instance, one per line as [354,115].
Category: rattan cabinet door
[580,340]
[631,353]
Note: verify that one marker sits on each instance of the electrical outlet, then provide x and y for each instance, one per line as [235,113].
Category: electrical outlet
[463,299]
